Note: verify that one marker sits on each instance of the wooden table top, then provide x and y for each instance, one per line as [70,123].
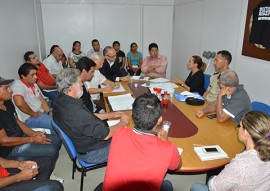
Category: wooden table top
[210,132]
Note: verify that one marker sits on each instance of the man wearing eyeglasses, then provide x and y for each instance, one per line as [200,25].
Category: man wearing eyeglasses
[232,101]
[111,68]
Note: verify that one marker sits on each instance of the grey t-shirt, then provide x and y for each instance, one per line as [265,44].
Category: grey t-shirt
[237,105]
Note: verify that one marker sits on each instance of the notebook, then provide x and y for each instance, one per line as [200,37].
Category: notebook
[204,156]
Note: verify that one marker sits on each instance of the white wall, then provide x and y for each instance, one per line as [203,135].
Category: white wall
[215,25]
[140,21]
[18,34]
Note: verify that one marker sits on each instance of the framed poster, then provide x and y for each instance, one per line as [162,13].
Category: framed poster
[251,49]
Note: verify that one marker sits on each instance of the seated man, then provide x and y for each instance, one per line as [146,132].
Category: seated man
[96,48]
[90,135]
[85,65]
[155,65]
[31,107]
[99,79]
[221,64]
[23,180]
[111,67]
[232,101]
[45,80]
[17,141]
[54,61]
[139,158]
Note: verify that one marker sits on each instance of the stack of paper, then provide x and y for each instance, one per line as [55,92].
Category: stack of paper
[113,122]
[210,155]
[121,102]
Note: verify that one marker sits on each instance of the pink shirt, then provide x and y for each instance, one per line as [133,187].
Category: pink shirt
[160,71]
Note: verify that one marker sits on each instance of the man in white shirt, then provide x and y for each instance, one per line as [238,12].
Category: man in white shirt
[53,62]
[96,48]
[99,79]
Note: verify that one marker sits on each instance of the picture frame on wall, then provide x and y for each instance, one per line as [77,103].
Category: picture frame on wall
[256,43]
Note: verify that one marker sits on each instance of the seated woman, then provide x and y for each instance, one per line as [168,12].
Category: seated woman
[249,170]
[76,54]
[134,59]
[195,79]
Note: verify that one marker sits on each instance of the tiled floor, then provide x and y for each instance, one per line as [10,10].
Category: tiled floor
[93,178]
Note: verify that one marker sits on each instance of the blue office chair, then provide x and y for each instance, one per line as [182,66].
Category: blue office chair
[259,106]
[206,81]
[79,165]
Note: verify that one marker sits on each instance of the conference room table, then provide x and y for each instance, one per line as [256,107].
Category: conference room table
[203,131]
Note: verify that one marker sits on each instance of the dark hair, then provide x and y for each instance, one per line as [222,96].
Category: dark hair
[25,69]
[198,60]
[116,42]
[152,45]
[146,111]
[52,49]
[134,43]
[226,55]
[27,54]
[74,44]
[257,125]
[94,40]
[85,63]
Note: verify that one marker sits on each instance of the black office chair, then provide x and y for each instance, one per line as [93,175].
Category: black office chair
[78,164]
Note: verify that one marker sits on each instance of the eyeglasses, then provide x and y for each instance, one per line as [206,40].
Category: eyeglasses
[111,56]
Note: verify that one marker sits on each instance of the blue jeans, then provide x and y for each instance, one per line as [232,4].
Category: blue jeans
[199,187]
[96,156]
[43,121]
[29,151]
[51,95]
[166,186]
[42,182]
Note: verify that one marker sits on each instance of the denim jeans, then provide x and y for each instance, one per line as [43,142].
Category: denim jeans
[43,121]
[51,95]
[30,150]
[42,182]
[97,156]
[166,186]
[199,187]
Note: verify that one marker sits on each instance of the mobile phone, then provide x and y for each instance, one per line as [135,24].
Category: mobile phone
[210,150]
[211,116]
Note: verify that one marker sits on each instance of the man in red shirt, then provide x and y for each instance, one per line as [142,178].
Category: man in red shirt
[45,80]
[139,158]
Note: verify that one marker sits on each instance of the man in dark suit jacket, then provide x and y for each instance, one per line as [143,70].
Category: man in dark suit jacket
[111,66]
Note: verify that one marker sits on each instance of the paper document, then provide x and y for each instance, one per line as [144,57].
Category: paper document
[120,89]
[203,155]
[160,80]
[121,102]
[180,150]
[139,78]
[113,122]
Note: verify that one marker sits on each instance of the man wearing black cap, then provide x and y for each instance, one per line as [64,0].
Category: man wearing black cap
[18,141]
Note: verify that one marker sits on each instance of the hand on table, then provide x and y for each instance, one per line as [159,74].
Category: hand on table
[200,113]
[163,135]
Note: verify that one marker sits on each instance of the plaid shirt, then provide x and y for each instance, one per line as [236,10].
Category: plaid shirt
[43,75]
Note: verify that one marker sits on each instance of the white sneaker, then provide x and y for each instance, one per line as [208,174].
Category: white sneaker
[54,177]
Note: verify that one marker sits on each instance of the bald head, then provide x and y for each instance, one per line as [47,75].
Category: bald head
[57,53]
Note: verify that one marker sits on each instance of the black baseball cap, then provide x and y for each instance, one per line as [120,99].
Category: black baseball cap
[5,82]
